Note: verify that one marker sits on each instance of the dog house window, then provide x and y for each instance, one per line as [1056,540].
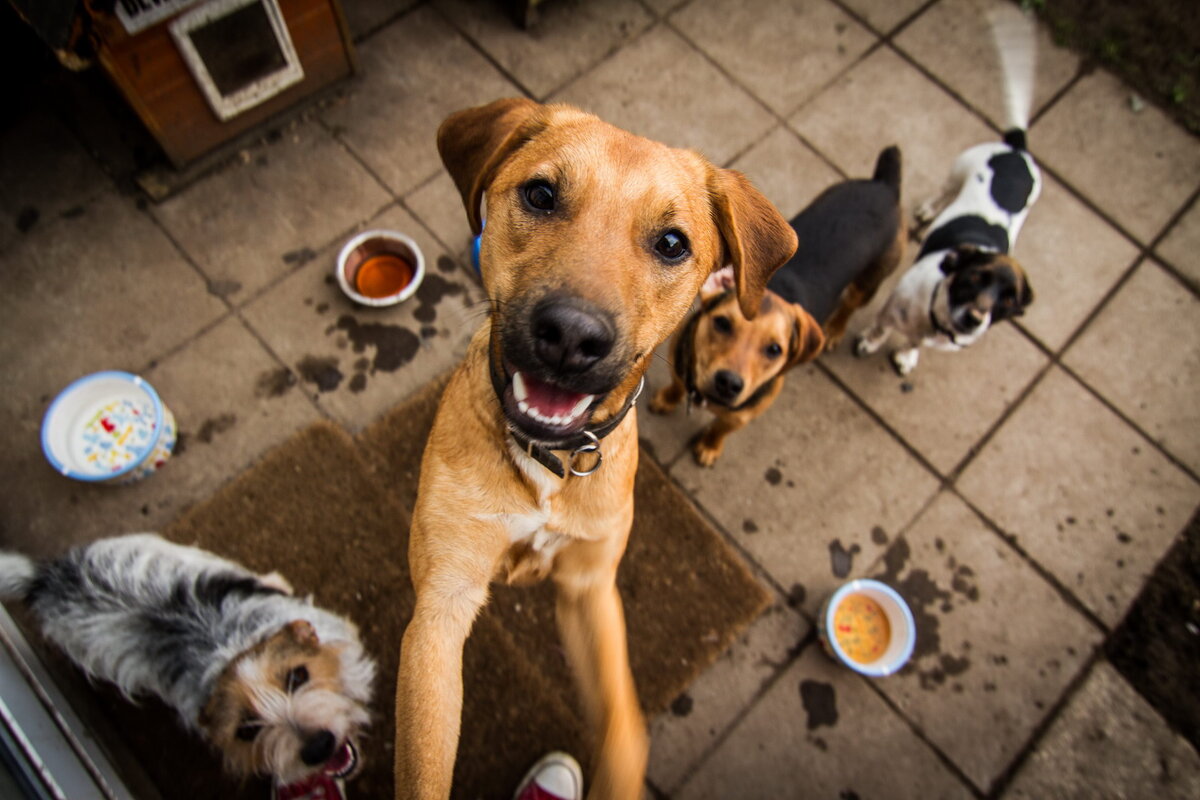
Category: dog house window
[239,52]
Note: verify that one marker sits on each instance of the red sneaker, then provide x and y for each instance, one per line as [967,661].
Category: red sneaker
[556,776]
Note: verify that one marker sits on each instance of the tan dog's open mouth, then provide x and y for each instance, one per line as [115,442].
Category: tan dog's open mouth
[540,409]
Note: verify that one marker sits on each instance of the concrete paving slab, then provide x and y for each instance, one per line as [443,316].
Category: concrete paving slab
[439,206]
[1181,247]
[884,15]
[570,36]
[230,406]
[813,489]
[977,685]
[1108,744]
[984,380]
[822,731]
[953,40]
[357,362]
[884,100]
[101,289]
[413,74]
[784,52]
[366,16]
[694,105]
[1153,314]
[266,213]
[787,171]
[1073,259]
[44,174]
[1139,167]
[681,737]
[1086,496]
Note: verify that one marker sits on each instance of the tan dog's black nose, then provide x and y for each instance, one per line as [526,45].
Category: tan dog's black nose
[569,335]
[728,385]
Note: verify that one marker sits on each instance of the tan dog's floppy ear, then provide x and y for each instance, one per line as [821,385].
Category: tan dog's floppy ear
[758,239]
[808,340]
[474,142]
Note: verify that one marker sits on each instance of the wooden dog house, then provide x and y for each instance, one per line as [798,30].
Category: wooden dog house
[201,72]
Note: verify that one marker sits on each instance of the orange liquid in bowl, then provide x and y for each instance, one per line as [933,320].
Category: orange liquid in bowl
[383,276]
[862,628]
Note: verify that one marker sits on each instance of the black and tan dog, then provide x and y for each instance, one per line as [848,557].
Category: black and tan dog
[596,242]
[851,239]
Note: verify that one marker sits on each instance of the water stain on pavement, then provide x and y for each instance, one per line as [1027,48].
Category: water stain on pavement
[773,476]
[924,597]
[211,427]
[841,559]
[275,382]
[394,345]
[431,292]
[321,372]
[820,703]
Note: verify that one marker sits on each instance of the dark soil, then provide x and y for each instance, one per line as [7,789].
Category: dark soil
[1157,646]
[1153,45]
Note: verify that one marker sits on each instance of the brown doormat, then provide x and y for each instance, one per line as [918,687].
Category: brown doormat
[331,514]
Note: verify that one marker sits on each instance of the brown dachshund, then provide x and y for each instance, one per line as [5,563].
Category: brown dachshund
[852,238]
[596,242]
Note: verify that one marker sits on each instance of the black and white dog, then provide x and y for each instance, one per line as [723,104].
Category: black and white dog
[964,279]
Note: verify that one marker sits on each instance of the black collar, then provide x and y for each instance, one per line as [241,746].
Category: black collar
[586,441]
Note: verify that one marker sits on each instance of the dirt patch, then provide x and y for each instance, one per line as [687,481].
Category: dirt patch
[1157,645]
[1153,45]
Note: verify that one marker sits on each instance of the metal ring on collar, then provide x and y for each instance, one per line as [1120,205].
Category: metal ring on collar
[590,447]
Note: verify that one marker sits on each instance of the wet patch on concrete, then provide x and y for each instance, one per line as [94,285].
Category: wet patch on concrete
[394,345]
[431,292]
[321,372]
[925,597]
[446,264]
[797,595]
[224,288]
[749,526]
[820,703]
[841,559]
[879,535]
[211,427]
[298,257]
[274,383]
[682,706]
[773,476]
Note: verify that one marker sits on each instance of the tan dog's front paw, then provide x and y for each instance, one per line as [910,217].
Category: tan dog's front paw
[705,454]
[664,402]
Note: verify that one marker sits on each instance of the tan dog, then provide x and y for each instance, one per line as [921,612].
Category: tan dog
[851,239]
[596,242]
[735,365]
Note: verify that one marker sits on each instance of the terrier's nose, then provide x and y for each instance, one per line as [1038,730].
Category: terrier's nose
[570,336]
[318,748]
[728,385]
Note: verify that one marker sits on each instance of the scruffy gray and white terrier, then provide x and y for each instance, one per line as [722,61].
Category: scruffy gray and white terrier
[278,685]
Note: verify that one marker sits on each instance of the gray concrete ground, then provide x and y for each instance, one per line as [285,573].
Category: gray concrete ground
[1021,491]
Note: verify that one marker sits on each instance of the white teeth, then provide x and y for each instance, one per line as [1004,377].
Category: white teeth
[581,406]
[521,395]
